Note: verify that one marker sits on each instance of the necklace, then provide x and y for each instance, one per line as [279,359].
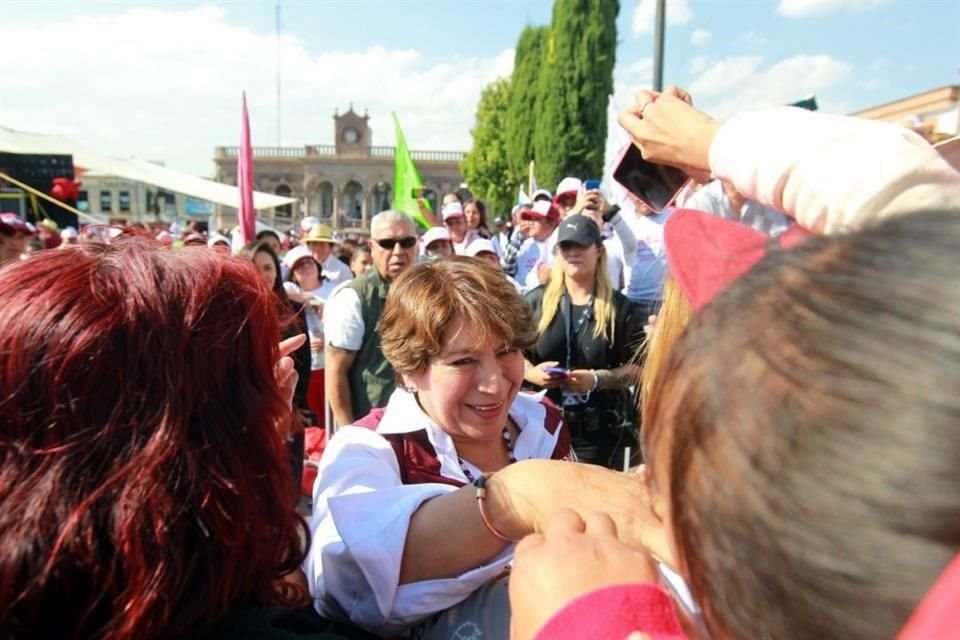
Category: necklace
[507,440]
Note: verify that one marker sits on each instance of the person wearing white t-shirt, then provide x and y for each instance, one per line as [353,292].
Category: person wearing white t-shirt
[483,248]
[723,200]
[535,255]
[321,243]
[456,223]
[644,275]
[307,286]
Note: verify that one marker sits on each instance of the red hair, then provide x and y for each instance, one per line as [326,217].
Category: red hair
[144,488]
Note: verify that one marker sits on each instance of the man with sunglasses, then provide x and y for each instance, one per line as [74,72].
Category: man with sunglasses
[358,377]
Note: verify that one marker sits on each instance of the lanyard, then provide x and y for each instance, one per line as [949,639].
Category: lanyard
[572,332]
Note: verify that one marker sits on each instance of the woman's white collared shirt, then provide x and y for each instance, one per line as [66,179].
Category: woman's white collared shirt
[362,511]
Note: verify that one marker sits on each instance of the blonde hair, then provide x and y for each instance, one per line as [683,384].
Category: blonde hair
[428,299]
[604,312]
[674,316]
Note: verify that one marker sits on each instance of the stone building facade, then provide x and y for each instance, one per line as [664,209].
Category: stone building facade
[343,184]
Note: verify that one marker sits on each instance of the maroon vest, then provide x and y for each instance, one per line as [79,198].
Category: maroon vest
[418,459]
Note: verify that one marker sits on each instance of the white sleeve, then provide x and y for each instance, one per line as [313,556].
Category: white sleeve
[623,231]
[359,528]
[291,287]
[342,320]
[831,172]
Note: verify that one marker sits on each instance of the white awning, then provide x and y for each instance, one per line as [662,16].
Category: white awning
[13,141]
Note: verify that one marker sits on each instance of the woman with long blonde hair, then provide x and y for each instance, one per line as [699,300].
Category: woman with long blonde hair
[587,337]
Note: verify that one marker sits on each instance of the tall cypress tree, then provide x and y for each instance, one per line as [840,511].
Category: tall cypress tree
[523,108]
[576,79]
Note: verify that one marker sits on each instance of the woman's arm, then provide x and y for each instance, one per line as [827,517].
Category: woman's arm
[427,214]
[447,535]
[829,172]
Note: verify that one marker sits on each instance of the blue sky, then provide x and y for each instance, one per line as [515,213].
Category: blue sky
[162,80]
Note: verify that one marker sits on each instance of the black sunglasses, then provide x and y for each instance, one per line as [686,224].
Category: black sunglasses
[389,243]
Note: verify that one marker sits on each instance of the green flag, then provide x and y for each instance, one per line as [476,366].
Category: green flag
[406,180]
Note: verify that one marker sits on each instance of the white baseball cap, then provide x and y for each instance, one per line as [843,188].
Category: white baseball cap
[296,254]
[432,235]
[567,186]
[309,223]
[480,245]
[452,210]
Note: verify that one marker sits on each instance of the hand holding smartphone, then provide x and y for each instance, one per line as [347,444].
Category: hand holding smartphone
[656,185]
[556,372]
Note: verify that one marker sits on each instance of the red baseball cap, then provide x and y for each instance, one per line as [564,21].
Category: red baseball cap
[12,223]
[542,209]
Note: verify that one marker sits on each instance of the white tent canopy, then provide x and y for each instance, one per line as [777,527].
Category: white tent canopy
[13,141]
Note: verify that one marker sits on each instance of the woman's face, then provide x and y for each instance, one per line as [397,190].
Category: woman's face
[305,273]
[361,262]
[579,261]
[468,388]
[266,266]
[472,215]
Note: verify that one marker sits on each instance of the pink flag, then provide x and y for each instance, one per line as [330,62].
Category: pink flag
[246,215]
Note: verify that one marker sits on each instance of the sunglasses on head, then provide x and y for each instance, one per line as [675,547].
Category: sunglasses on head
[389,243]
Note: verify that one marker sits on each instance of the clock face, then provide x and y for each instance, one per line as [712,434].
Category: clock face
[351,135]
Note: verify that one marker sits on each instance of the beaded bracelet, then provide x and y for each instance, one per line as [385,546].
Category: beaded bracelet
[481,485]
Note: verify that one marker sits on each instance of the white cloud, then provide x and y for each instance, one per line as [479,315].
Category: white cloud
[724,75]
[734,84]
[645,14]
[753,40]
[113,83]
[698,64]
[807,8]
[699,37]
[630,78]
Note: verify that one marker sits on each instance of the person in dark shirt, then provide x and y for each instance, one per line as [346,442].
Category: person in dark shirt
[589,334]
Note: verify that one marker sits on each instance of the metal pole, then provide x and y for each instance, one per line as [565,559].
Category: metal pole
[277,37]
[658,45]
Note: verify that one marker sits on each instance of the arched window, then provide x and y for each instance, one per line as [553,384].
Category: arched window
[321,202]
[352,205]
[382,197]
[286,210]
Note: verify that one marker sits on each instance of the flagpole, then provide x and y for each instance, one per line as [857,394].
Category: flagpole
[246,214]
[530,179]
[658,45]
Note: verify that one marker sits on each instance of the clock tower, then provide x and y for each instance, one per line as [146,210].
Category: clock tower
[352,133]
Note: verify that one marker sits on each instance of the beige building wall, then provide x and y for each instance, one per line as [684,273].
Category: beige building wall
[344,184]
[935,113]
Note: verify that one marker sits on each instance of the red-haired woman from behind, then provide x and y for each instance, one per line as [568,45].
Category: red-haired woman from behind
[144,486]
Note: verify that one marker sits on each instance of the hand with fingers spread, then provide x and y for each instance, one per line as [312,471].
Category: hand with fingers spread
[571,557]
[668,130]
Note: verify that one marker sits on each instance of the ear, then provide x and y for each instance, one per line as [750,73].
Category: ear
[408,383]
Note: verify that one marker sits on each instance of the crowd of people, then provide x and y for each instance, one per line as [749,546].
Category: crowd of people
[733,418]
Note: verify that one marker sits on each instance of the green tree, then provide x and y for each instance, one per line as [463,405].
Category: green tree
[576,79]
[485,166]
[522,112]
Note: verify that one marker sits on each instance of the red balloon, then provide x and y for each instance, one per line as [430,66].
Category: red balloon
[65,189]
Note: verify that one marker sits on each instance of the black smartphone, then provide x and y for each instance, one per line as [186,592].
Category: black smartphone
[656,185]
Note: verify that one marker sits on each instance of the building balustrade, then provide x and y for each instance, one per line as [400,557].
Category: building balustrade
[329,151]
